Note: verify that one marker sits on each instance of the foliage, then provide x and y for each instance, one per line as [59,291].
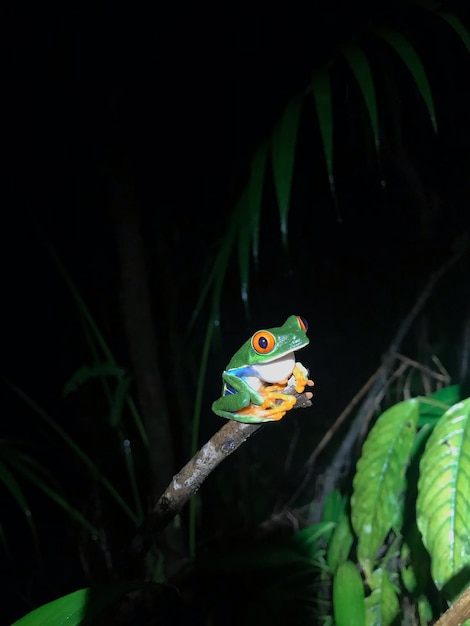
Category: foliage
[374,554]
[85,606]
[362,54]
[274,158]
[408,514]
[391,550]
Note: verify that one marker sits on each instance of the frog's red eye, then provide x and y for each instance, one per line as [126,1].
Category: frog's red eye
[302,323]
[263,342]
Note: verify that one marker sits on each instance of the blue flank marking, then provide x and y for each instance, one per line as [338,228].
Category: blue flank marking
[241,372]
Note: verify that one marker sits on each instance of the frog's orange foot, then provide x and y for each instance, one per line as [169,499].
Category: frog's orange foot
[274,407]
[300,374]
[276,399]
[267,390]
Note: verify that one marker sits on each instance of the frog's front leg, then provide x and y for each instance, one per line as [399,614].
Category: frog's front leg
[300,376]
[237,395]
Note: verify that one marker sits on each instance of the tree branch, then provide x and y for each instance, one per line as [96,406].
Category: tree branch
[189,479]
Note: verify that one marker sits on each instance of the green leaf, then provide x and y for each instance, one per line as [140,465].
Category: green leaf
[119,399]
[85,373]
[382,604]
[77,450]
[245,235]
[407,53]
[458,26]
[454,22]
[433,406]
[95,332]
[380,478]
[307,540]
[340,543]
[348,596]
[444,494]
[360,67]
[334,507]
[66,611]
[82,607]
[9,481]
[321,87]
[284,139]
[255,194]
[38,476]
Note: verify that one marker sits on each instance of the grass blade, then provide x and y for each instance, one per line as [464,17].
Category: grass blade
[321,86]
[283,145]
[77,450]
[407,53]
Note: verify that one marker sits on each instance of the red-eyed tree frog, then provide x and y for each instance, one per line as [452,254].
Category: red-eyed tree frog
[258,374]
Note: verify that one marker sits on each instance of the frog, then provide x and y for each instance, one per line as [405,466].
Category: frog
[258,375]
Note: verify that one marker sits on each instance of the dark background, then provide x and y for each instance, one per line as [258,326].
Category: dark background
[176,99]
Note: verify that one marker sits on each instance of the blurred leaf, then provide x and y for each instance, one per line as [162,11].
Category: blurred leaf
[444,494]
[458,26]
[255,193]
[119,400]
[433,406]
[83,607]
[245,236]
[37,475]
[321,87]
[94,331]
[415,567]
[380,478]
[9,481]
[407,53]
[284,139]
[85,373]
[451,18]
[66,611]
[334,509]
[340,543]
[348,596]
[382,604]
[307,541]
[76,449]
[360,67]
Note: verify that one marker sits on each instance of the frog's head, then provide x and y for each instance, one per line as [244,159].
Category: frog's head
[272,344]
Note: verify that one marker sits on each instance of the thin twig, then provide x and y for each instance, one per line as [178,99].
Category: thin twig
[457,613]
[343,454]
[189,479]
[442,378]
[309,466]
[376,388]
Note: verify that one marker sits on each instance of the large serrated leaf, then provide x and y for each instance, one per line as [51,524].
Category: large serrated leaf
[284,140]
[443,502]
[348,596]
[382,604]
[380,478]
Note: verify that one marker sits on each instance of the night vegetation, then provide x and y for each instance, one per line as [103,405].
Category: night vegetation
[168,191]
